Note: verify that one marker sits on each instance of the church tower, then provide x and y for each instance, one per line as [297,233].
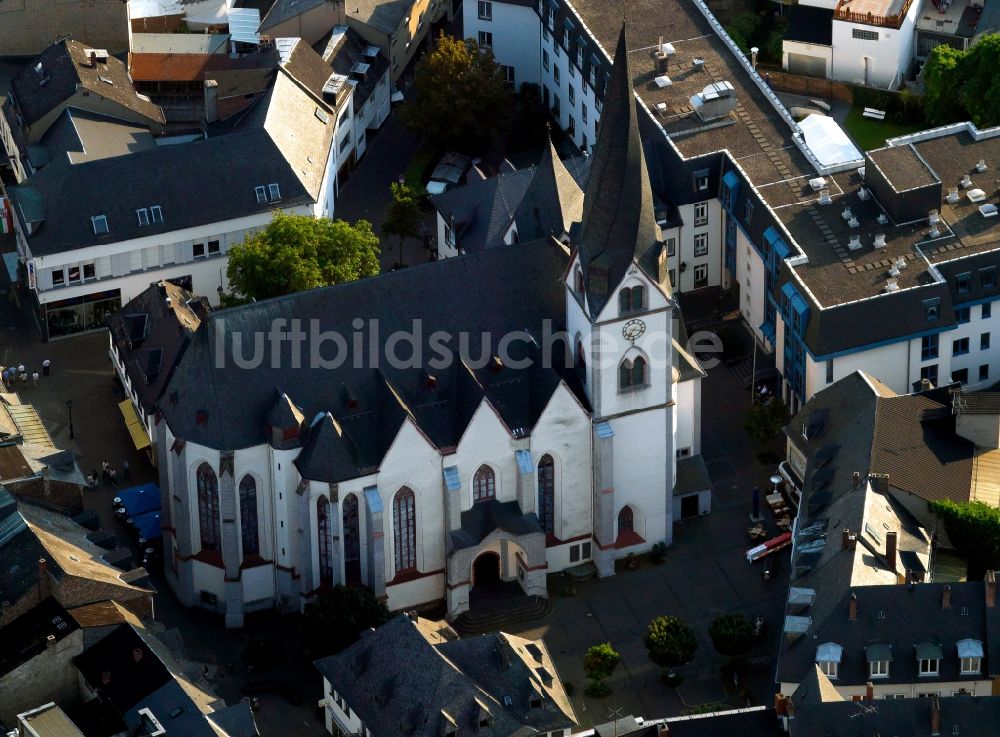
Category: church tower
[619,313]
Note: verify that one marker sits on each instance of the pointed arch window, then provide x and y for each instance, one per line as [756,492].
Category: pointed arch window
[323,541]
[626,521]
[547,494]
[404,528]
[484,485]
[632,299]
[632,373]
[578,281]
[248,516]
[580,358]
[210,526]
[352,540]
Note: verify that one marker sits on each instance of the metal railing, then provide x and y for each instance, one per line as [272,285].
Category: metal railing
[870,19]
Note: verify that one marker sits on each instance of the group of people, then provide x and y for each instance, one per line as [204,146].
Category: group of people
[13,374]
[109,475]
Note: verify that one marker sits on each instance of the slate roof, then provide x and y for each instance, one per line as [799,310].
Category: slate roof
[552,202]
[484,210]
[619,225]
[27,635]
[283,10]
[692,475]
[399,683]
[20,551]
[965,716]
[65,68]
[205,181]
[348,50]
[152,335]
[480,520]
[236,720]
[518,287]
[382,15]
[809,24]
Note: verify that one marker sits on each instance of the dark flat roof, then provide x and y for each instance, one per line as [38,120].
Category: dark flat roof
[26,636]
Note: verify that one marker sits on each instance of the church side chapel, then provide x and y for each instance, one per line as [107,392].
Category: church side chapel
[430,483]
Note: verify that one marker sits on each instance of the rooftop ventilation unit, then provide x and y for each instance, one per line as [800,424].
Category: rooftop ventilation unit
[847,214]
[863,194]
[901,263]
[981,166]
[894,271]
[697,62]
[879,241]
[854,223]
[934,232]
[933,217]
[861,172]
[891,286]
[38,68]
[371,52]
[882,219]
[817,184]
[966,182]
[334,87]
[855,243]
[952,197]
[717,100]
[825,198]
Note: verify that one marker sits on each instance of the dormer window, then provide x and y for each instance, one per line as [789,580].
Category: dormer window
[273,192]
[156,214]
[631,299]
[928,658]
[100,224]
[143,215]
[261,193]
[878,656]
[828,657]
[970,655]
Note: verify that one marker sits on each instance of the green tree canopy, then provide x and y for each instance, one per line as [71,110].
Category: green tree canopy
[963,85]
[297,252]
[462,100]
[974,529]
[599,663]
[765,420]
[732,634]
[670,642]
[942,86]
[338,616]
[403,219]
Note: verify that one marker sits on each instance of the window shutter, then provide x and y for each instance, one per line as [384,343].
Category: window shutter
[102,267]
[119,264]
[135,260]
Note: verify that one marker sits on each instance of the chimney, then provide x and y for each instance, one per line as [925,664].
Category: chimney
[50,641]
[93,59]
[869,691]
[503,657]
[662,729]
[137,654]
[857,481]
[848,539]
[211,89]
[43,567]
[890,550]
[935,716]
[852,608]
[991,589]
[780,704]
[946,597]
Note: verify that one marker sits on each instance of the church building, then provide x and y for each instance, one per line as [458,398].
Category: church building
[499,416]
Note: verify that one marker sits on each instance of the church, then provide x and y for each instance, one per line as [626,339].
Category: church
[537,414]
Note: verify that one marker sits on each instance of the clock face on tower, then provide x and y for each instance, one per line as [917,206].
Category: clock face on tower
[633,329]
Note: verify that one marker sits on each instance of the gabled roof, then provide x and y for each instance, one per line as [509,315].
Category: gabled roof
[327,455]
[483,518]
[65,67]
[553,201]
[483,210]
[382,15]
[399,683]
[283,10]
[619,226]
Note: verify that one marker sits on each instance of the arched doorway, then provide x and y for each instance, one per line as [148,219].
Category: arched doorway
[486,571]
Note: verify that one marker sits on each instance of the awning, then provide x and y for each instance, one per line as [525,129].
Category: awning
[878,653]
[928,651]
[829,652]
[135,427]
[970,649]
[148,525]
[140,499]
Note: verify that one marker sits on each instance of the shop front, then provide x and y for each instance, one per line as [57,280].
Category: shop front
[78,314]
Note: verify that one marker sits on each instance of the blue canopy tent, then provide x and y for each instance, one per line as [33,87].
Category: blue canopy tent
[148,525]
[140,499]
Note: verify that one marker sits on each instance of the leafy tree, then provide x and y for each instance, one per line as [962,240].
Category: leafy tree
[297,252]
[974,529]
[743,30]
[942,86]
[599,663]
[403,220]
[338,616]
[764,421]
[732,634]
[462,99]
[979,69]
[670,642]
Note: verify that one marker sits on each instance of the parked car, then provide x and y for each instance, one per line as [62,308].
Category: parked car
[449,173]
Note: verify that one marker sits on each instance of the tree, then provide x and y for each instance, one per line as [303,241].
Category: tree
[338,616]
[297,252]
[974,529]
[599,663]
[981,82]
[403,220]
[670,642]
[765,419]
[462,100]
[732,634]
[942,86]
[743,30]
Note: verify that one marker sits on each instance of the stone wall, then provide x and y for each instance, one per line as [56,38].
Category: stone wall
[798,84]
[49,676]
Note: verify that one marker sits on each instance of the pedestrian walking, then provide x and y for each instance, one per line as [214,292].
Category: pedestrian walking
[105,472]
[46,364]
[34,378]
[126,471]
[20,368]
[24,378]
[113,475]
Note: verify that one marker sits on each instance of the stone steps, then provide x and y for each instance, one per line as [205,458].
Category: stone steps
[491,618]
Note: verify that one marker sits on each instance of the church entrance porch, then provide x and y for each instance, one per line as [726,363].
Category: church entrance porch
[486,572]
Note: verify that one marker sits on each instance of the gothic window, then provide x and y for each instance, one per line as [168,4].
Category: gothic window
[323,541]
[580,359]
[248,516]
[631,299]
[208,507]
[405,530]
[625,522]
[484,485]
[579,281]
[632,373]
[352,540]
[547,494]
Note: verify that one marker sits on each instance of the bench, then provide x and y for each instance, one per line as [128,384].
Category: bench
[871,112]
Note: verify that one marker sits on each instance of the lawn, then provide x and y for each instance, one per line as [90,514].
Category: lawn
[870,134]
